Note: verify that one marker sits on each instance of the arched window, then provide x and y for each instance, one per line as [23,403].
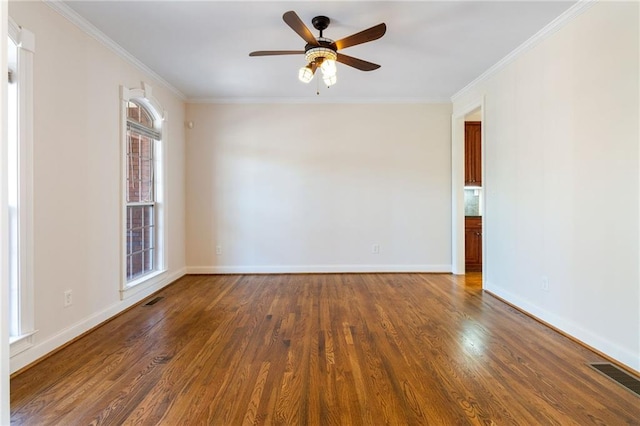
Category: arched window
[142,145]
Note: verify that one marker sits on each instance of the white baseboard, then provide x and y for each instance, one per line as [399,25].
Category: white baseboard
[40,349]
[326,269]
[600,343]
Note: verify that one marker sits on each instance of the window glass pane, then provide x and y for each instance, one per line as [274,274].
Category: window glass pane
[140,240]
[138,114]
[13,158]
[134,268]
[133,191]
[146,181]
[140,168]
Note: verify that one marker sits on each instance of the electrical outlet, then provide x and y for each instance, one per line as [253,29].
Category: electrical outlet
[375,249]
[218,249]
[545,283]
[68,298]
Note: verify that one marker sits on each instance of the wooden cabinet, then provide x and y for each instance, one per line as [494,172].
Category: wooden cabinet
[473,243]
[472,153]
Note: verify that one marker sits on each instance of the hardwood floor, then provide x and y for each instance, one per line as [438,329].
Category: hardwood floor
[352,349]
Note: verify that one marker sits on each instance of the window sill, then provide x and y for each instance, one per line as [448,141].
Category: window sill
[19,344]
[134,287]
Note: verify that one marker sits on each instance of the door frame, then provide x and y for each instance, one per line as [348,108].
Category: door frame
[457,185]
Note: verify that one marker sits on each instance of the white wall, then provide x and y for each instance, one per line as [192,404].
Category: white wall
[561,179]
[77,177]
[313,187]
[474,116]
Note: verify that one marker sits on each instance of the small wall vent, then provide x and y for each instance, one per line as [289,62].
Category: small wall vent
[618,375]
[154,301]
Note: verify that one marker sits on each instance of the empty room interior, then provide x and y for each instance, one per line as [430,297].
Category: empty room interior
[351,212]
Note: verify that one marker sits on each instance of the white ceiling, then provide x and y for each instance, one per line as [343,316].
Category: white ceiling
[432,49]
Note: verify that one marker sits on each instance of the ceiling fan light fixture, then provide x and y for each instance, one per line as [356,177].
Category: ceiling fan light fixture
[305,74]
[330,80]
[328,68]
[321,52]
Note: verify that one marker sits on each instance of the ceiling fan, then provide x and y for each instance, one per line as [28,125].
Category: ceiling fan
[322,52]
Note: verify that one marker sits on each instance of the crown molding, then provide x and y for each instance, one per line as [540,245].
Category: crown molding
[555,25]
[319,100]
[98,35]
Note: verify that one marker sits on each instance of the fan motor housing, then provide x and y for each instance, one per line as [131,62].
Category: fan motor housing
[320,23]
[323,42]
[318,54]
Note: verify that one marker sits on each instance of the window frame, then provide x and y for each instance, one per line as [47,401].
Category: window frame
[21,334]
[140,163]
[143,97]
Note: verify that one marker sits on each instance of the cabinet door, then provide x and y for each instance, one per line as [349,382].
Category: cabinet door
[472,153]
[473,244]
[473,250]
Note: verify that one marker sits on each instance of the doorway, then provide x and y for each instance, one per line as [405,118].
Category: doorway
[473,210]
[473,197]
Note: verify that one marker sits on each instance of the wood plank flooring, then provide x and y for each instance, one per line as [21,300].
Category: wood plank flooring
[343,349]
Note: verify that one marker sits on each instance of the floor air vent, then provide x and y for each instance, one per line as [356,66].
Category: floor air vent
[622,377]
[153,301]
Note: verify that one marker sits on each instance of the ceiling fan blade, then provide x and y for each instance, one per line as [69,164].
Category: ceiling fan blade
[296,24]
[367,35]
[357,63]
[276,52]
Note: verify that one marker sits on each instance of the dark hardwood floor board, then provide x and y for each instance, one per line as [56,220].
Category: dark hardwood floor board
[185,383]
[472,366]
[237,377]
[385,406]
[191,332]
[272,347]
[203,361]
[546,384]
[349,358]
[385,334]
[552,385]
[136,381]
[43,377]
[65,386]
[251,414]
[313,384]
[292,406]
[321,349]
[175,382]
